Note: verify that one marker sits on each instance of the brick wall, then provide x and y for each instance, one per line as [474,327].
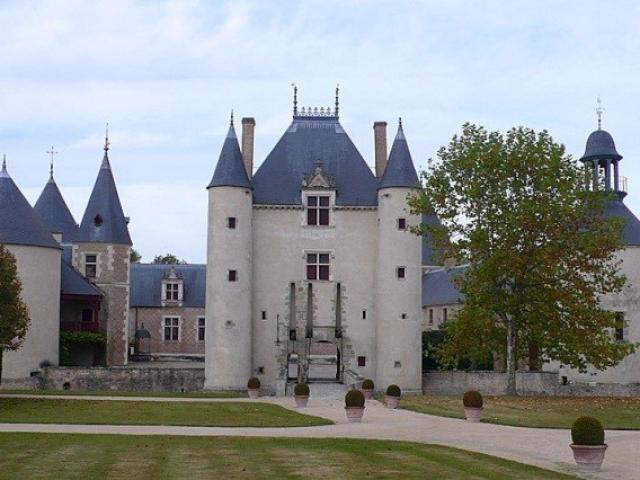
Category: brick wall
[153,319]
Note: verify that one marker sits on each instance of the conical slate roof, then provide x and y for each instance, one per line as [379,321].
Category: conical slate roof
[617,208]
[54,213]
[104,220]
[399,171]
[600,144]
[230,170]
[19,223]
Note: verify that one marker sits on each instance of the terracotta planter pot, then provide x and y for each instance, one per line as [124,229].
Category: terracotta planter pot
[368,393]
[253,392]
[473,414]
[589,458]
[391,402]
[354,414]
[301,400]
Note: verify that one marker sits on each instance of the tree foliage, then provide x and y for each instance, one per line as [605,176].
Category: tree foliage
[134,256]
[540,252]
[14,315]
[168,259]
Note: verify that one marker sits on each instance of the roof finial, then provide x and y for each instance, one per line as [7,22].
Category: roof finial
[106,139]
[51,152]
[231,119]
[400,122]
[295,99]
[337,99]
[599,112]
[4,163]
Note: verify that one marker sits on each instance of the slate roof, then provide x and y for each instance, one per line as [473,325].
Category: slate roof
[104,201]
[19,223]
[146,284]
[54,213]
[428,253]
[310,139]
[73,283]
[230,170]
[617,208]
[600,144]
[438,287]
[399,171]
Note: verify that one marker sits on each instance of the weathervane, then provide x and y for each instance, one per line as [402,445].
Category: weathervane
[231,121]
[599,112]
[295,100]
[337,100]
[51,152]
[106,139]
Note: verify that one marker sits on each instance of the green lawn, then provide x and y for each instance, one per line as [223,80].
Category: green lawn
[42,456]
[548,412]
[105,412]
[110,393]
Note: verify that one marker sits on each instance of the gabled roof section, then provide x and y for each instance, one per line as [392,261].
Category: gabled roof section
[438,287]
[146,284]
[54,212]
[308,140]
[104,220]
[617,208]
[400,171]
[230,170]
[19,223]
[73,283]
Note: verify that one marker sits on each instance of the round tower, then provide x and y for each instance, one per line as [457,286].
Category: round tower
[398,275]
[228,355]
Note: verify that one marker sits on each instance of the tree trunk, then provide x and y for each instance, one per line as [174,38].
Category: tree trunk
[511,357]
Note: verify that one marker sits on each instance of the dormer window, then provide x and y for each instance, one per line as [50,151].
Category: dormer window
[97,220]
[172,291]
[172,288]
[318,210]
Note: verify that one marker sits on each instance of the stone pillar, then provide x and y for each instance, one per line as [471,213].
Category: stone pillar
[248,128]
[607,175]
[380,147]
[616,176]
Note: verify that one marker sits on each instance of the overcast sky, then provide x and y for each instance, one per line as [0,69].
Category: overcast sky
[165,75]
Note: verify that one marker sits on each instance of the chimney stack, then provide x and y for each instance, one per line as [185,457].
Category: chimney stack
[248,128]
[380,146]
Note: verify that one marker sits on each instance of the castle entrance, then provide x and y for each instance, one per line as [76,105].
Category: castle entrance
[324,362]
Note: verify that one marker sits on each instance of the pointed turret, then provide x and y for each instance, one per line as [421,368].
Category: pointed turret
[104,220]
[54,212]
[400,171]
[230,170]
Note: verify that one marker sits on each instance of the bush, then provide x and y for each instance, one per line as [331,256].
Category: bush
[253,383]
[587,431]
[301,389]
[354,398]
[472,399]
[368,384]
[393,391]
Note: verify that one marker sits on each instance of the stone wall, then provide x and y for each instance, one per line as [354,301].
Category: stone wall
[156,379]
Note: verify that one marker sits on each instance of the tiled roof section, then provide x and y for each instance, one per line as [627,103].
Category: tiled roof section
[19,223]
[600,144]
[73,283]
[104,220]
[230,170]
[307,141]
[146,284]
[54,213]
[438,287]
[617,208]
[399,171]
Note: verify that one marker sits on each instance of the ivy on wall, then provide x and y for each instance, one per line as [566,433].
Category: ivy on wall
[68,339]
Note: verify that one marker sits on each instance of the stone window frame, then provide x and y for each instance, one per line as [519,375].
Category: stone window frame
[172,281]
[232,223]
[178,326]
[305,261]
[202,327]
[619,332]
[85,263]
[401,272]
[401,223]
[174,289]
[331,194]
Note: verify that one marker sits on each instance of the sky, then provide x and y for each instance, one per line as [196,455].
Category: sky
[166,74]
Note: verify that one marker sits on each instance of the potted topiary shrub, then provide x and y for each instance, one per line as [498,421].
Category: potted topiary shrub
[367,388]
[588,444]
[393,396]
[472,401]
[301,394]
[354,405]
[253,387]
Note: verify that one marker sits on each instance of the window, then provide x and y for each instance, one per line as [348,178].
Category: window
[431,316]
[362,361]
[619,326]
[171,329]
[233,275]
[87,315]
[264,314]
[201,323]
[171,292]
[318,210]
[402,224]
[401,272]
[231,222]
[403,316]
[445,314]
[317,266]
[91,265]
[364,314]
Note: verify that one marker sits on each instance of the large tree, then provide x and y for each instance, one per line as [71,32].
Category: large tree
[539,250]
[169,259]
[14,316]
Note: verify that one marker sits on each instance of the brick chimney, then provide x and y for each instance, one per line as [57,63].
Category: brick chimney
[248,129]
[380,146]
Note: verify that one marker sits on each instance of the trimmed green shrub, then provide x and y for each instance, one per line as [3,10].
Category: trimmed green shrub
[393,390]
[301,389]
[253,383]
[354,398]
[472,399]
[587,431]
[368,384]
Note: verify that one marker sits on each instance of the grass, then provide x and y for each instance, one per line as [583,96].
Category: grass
[43,456]
[110,393]
[545,412]
[114,412]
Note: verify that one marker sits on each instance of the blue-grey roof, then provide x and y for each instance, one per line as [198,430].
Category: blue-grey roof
[438,287]
[399,171]
[307,141]
[19,223]
[617,208]
[73,283]
[146,284]
[54,213]
[104,202]
[230,170]
[429,256]
[600,145]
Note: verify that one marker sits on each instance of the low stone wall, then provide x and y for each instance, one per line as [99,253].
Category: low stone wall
[130,379]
